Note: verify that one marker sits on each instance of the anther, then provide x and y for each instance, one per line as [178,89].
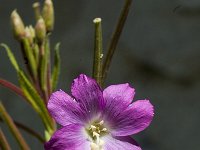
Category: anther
[93,128]
[104,129]
[101,122]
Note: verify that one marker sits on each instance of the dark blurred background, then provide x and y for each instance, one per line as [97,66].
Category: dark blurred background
[158,54]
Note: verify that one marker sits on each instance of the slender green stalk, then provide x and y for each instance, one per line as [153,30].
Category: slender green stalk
[12,87]
[44,69]
[8,120]
[25,60]
[28,130]
[49,87]
[3,142]
[30,57]
[115,37]
[56,67]
[97,64]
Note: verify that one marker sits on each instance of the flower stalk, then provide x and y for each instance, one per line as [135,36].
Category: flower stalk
[8,120]
[98,54]
[3,141]
[115,38]
[12,87]
[28,130]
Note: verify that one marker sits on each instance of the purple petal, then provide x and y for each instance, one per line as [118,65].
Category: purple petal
[125,143]
[64,109]
[89,94]
[117,94]
[71,137]
[118,98]
[134,119]
[127,139]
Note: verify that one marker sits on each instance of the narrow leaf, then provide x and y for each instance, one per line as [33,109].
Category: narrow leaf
[56,67]
[30,93]
[44,68]
[11,56]
[30,55]
[3,141]
[12,87]
[36,101]
[8,120]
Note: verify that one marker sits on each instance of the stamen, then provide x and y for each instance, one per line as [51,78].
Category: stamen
[96,130]
[93,127]
[104,129]
[95,134]
[101,122]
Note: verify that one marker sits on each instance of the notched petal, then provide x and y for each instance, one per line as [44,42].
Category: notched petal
[88,93]
[120,94]
[70,137]
[125,143]
[64,109]
[134,119]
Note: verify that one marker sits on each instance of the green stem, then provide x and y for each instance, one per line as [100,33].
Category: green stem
[3,142]
[97,64]
[8,120]
[30,56]
[45,69]
[115,37]
[28,130]
[49,87]
[12,87]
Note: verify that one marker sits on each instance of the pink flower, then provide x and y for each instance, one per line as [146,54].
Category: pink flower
[96,119]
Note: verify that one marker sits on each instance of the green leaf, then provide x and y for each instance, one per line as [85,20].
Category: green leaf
[35,99]
[30,92]
[36,53]
[14,130]
[44,65]
[56,67]
[30,56]
[11,56]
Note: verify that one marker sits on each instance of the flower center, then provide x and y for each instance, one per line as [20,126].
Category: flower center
[95,131]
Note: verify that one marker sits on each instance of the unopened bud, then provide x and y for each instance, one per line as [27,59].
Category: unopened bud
[36,7]
[30,33]
[48,15]
[40,30]
[17,25]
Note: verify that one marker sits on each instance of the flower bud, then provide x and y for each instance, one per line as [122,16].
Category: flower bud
[36,7]
[40,30]
[17,25]
[30,34]
[48,15]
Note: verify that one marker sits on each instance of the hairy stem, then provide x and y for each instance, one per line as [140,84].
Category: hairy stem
[97,64]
